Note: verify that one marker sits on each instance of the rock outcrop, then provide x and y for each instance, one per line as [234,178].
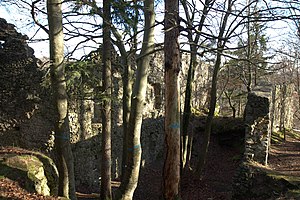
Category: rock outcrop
[35,171]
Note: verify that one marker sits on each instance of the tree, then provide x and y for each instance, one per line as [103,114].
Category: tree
[66,185]
[193,43]
[231,88]
[134,150]
[249,64]
[213,92]
[128,60]
[171,170]
[106,104]
[251,51]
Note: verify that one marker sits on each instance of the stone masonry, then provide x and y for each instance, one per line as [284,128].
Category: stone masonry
[257,132]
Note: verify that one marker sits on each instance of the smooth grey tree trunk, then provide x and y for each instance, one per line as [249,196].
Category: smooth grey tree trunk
[66,187]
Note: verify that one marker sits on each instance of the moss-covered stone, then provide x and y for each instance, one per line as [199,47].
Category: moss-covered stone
[35,171]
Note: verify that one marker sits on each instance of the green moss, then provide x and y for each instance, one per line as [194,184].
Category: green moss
[32,167]
[278,136]
[51,172]
[16,175]
[294,134]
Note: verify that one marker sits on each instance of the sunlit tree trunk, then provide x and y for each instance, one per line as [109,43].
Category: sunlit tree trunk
[171,170]
[65,163]
[282,109]
[105,191]
[134,150]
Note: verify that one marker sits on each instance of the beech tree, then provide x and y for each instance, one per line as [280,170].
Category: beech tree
[171,170]
[133,143]
[66,185]
[128,62]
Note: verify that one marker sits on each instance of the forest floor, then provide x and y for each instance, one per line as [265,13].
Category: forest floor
[216,183]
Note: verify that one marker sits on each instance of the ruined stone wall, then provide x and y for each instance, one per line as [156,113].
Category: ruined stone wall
[266,107]
[257,132]
[19,85]
[257,140]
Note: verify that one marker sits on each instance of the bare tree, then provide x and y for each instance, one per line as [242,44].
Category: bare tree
[213,93]
[194,47]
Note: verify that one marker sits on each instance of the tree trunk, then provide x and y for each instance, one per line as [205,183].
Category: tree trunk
[171,170]
[190,142]
[105,191]
[66,187]
[282,110]
[272,113]
[134,150]
[228,96]
[127,90]
[126,61]
[187,106]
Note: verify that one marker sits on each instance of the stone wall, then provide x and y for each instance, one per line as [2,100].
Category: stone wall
[269,108]
[87,153]
[19,83]
[257,132]
[264,110]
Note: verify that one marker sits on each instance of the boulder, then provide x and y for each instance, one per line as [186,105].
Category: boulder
[33,170]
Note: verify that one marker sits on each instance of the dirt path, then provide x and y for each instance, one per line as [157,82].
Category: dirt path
[285,157]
